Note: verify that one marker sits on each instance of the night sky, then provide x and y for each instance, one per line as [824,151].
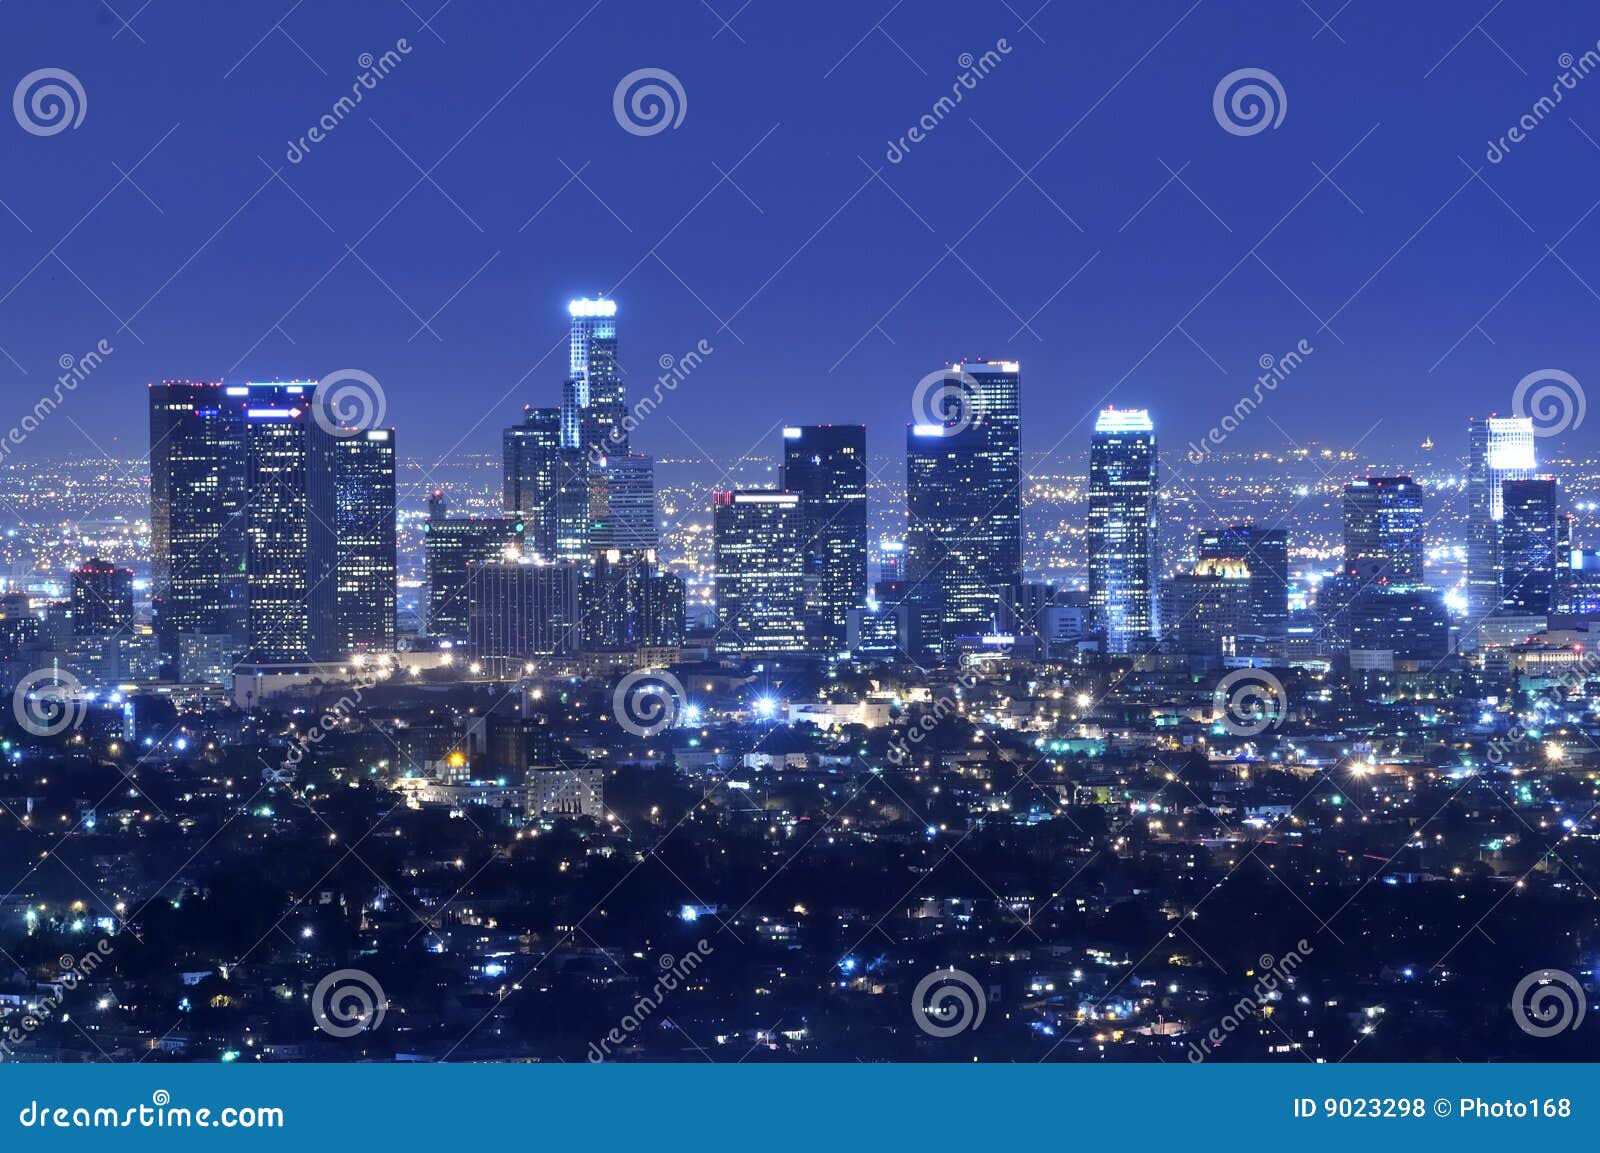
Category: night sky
[1147,257]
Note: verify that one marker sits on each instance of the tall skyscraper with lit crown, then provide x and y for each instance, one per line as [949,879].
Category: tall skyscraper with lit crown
[1124,528]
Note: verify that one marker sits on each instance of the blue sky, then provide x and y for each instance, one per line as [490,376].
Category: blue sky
[1082,210]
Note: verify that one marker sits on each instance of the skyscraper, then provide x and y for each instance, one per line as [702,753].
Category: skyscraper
[364,529]
[449,545]
[292,555]
[1500,448]
[102,599]
[1265,552]
[964,500]
[197,525]
[622,503]
[827,466]
[593,398]
[628,602]
[1124,529]
[1532,533]
[522,608]
[535,468]
[760,571]
[1383,531]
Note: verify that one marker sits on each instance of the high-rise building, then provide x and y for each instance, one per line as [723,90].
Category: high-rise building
[1265,552]
[628,602]
[522,608]
[1383,531]
[1124,528]
[102,599]
[593,398]
[1533,536]
[827,466]
[622,503]
[1500,448]
[364,529]
[1204,612]
[964,501]
[291,545]
[536,471]
[449,545]
[760,571]
[197,517]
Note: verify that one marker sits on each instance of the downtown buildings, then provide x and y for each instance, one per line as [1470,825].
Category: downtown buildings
[1124,529]
[272,534]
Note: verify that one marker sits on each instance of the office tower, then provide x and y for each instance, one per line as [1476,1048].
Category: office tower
[1532,533]
[593,398]
[759,558]
[1583,594]
[1383,531]
[522,608]
[1204,612]
[964,500]
[197,525]
[1026,608]
[1265,552]
[1124,530]
[622,503]
[449,545]
[290,474]
[535,469]
[1500,448]
[827,466]
[364,530]
[1409,624]
[628,603]
[102,599]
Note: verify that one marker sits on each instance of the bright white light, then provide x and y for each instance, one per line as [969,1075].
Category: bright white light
[588,308]
[766,707]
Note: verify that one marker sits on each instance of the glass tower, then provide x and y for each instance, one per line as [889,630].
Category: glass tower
[827,466]
[1500,448]
[364,527]
[1533,534]
[1383,531]
[1124,529]
[760,571]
